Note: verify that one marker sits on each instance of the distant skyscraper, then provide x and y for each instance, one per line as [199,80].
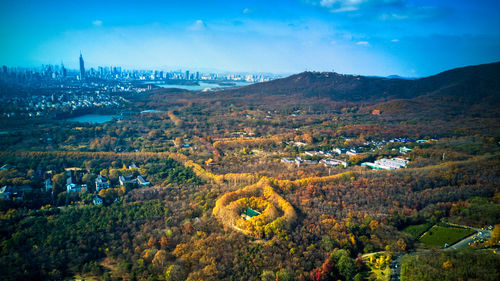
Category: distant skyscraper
[187,75]
[63,70]
[82,68]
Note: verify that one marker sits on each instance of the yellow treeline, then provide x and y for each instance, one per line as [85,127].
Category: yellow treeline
[235,178]
[289,185]
[261,196]
[177,121]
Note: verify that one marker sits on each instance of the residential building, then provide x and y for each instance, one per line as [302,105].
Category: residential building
[404,150]
[339,150]
[287,161]
[14,192]
[97,200]
[71,185]
[351,153]
[142,182]
[127,179]
[101,182]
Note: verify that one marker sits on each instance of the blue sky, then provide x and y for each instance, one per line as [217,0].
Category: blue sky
[370,37]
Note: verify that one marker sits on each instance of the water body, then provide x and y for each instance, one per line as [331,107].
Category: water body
[203,86]
[93,118]
[151,111]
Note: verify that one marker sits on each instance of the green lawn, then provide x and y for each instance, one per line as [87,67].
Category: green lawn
[417,230]
[437,236]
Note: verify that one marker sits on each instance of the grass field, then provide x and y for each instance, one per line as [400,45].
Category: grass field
[417,230]
[437,236]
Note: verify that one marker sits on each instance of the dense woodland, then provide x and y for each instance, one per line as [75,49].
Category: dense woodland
[209,156]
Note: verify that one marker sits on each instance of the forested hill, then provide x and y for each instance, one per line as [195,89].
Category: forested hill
[473,84]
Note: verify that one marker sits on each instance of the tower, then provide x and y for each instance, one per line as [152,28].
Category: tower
[82,68]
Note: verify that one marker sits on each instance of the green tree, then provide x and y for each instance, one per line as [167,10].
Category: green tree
[346,267]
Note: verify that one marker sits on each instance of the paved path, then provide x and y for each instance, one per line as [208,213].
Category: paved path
[396,268]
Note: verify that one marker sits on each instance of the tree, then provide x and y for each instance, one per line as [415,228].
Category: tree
[160,259]
[346,267]
[267,275]
[59,181]
[89,179]
[284,275]
[447,265]
[178,141]
[495,236]
[175,273]
[151,242]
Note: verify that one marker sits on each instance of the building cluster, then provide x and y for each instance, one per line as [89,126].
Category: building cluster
[73,183]
[39,105]
[116,73]
[54,88]
[327,158]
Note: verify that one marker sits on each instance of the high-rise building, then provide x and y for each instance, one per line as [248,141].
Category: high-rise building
[187,75]
[63,70]
[82,68]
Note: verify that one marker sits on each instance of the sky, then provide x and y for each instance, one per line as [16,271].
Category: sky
[368,37]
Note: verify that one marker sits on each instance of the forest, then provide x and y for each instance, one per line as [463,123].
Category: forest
[208,158]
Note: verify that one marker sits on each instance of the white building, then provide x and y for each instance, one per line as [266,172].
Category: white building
[333,162]
[387,164]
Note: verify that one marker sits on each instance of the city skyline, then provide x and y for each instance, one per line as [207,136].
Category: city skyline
[368,37]
[81,71]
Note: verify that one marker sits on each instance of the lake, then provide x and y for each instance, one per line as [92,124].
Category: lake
[93,118]
[203,86]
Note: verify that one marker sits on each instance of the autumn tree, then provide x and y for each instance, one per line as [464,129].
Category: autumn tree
[160,259]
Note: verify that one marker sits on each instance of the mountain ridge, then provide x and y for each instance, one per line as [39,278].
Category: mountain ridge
[470,83]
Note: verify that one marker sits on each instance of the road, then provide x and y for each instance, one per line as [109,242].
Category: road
[483,234]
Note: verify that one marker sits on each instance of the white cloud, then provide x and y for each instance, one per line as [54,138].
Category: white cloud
[338,6]
[97,23]
[198,26]
[395,40]
[412,13]
[246,11]
[384,10]
[363,43]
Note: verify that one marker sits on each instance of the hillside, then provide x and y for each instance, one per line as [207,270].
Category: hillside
[474,87]
[482,79]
